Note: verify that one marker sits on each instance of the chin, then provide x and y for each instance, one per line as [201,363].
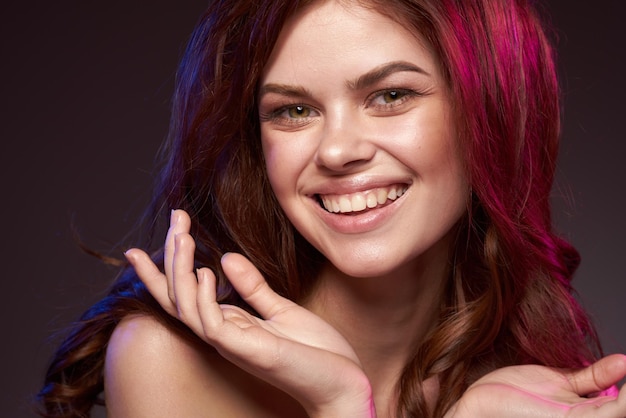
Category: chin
[371,267]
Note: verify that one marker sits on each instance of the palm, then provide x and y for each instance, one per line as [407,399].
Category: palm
[287,335]
[538,391]
[292,326]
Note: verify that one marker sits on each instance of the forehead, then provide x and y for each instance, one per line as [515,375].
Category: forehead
[346,34]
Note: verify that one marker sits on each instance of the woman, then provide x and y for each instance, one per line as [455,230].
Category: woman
[387,167]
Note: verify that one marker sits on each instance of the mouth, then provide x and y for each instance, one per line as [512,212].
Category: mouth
[354,203]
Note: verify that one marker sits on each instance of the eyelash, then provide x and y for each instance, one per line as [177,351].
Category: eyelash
[404,95]
[281,116]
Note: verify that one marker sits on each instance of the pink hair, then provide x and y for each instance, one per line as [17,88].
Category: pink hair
[509,299]
[509,265]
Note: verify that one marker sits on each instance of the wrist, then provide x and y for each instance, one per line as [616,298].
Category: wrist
[352,408]
[356,402]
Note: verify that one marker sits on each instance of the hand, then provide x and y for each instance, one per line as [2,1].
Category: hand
[289,346]
[538,391]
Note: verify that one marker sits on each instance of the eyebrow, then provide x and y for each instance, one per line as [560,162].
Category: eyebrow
[284,90]
[364,81]
[383,71]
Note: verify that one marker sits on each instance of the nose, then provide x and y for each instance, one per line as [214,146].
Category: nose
[344,144]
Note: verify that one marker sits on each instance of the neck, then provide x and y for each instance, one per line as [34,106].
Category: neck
[383,318]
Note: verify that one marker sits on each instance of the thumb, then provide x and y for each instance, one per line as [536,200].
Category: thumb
[252,287]
[599,376]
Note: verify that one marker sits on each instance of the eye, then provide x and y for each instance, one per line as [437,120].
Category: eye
[392,95]
[389,99]
[290,115]
[298,111]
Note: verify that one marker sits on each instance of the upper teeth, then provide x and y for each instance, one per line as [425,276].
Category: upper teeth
[359,201]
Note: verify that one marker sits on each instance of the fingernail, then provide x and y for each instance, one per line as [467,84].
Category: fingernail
[173,217]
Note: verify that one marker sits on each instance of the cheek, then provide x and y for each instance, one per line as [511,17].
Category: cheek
[272,156]
[454,181]
[283,162]
[430,147]
[427,145]
[270,161]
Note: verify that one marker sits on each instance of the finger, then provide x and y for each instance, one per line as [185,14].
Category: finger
[184,281]
[152,277]
[224,333]
[210,312]
[601,375]
[179,223]
[252,287]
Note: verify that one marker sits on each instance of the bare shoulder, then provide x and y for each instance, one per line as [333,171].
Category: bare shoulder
[153,371]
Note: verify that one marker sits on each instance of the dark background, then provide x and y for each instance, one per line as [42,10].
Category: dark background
[85,92]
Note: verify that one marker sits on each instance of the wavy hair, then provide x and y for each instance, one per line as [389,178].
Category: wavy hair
[509,266]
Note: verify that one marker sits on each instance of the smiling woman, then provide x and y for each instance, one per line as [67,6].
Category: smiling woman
[364,228]
[377,121]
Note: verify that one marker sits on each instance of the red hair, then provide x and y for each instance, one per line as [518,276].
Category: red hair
[509,266]
[508,299]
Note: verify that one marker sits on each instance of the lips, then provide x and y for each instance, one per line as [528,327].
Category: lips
[360,201]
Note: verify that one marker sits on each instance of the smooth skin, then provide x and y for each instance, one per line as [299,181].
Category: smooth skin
[332,129]
[357,109]
[272,348]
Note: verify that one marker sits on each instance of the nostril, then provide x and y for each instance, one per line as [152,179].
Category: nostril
[345,152]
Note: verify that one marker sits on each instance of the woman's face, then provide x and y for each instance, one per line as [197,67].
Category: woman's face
[359,139]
